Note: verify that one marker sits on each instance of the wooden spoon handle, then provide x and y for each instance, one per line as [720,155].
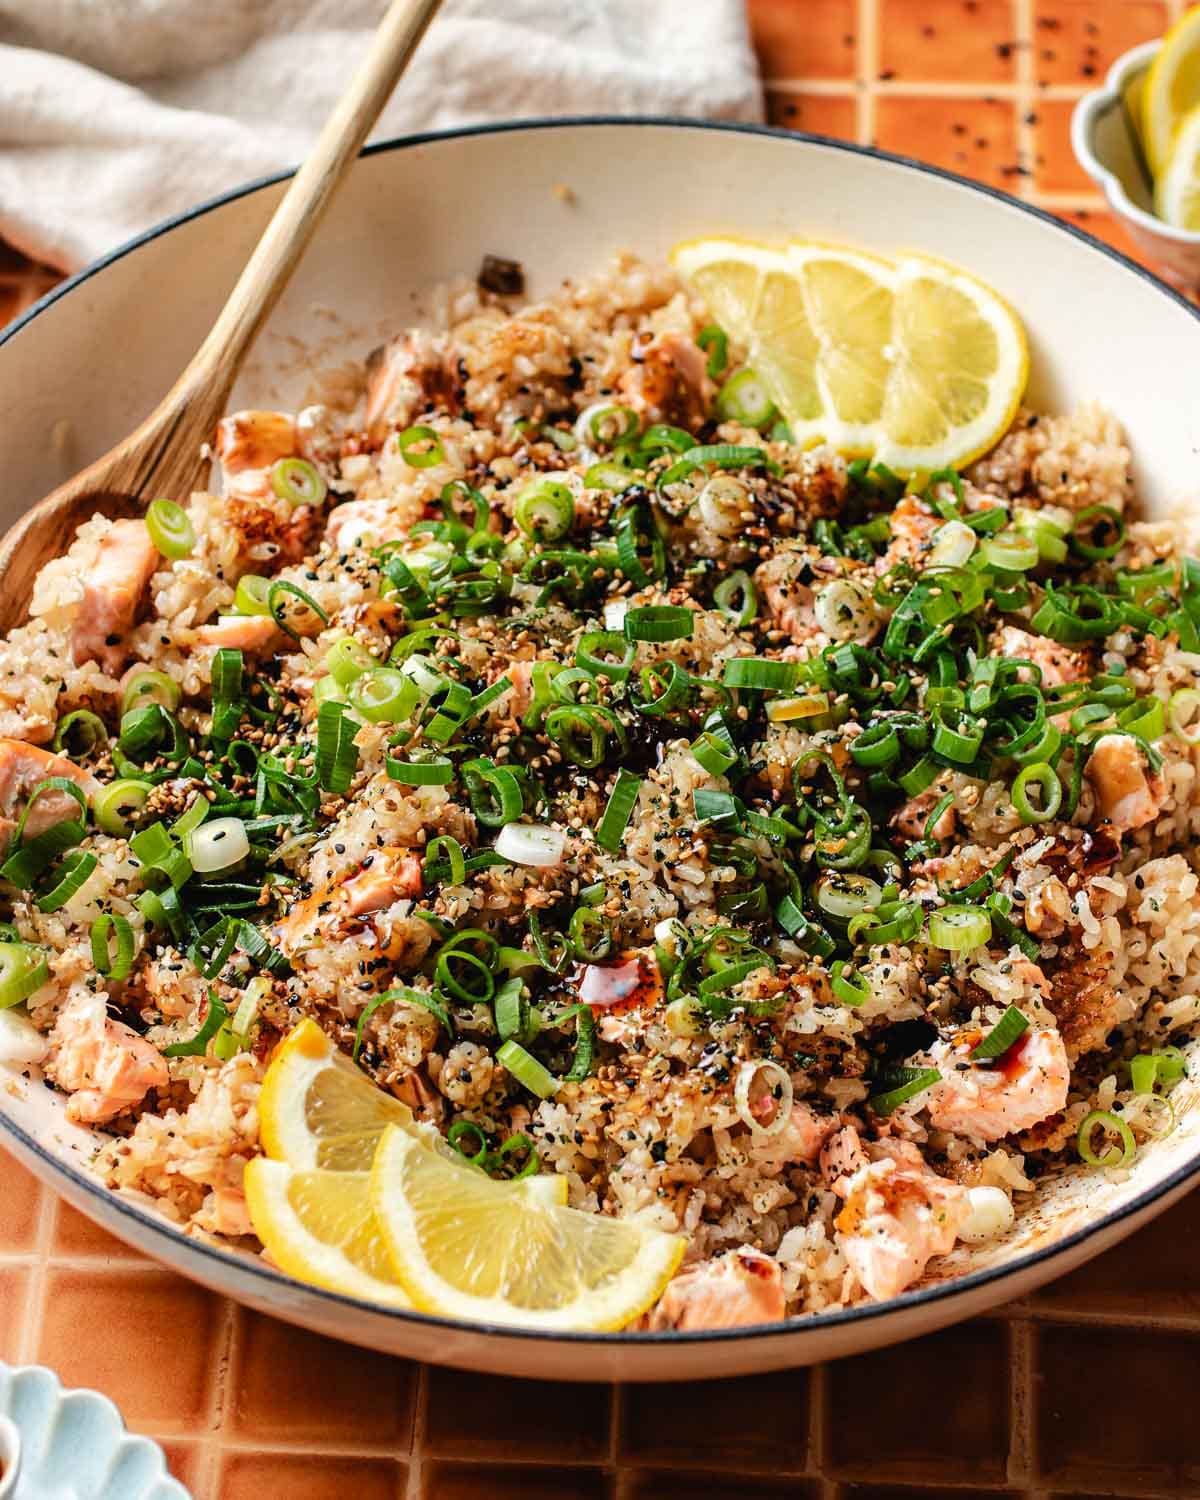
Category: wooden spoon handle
[287,235]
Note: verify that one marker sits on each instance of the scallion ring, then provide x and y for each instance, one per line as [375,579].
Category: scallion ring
[1118,1155]
[1045,778]
[420,447]
[170,529]
[297,481]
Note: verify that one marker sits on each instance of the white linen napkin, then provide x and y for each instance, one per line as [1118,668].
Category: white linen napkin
[115,114]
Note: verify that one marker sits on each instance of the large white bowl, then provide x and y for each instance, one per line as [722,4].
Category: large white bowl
[86,363]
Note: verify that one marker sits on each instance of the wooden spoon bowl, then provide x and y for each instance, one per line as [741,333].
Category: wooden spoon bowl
[164,455]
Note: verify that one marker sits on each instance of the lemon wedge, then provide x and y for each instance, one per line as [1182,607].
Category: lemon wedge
[318,1227]
[906,359]
[317,1109]
[465,1246]
[1172,89]
[1177,191]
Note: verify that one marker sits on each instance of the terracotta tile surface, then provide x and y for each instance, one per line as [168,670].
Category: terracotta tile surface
[1083,1391]
[917,41]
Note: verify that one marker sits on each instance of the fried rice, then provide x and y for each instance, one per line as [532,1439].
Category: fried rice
[830,955]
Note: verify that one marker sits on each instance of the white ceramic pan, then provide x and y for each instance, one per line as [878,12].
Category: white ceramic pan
[80,369]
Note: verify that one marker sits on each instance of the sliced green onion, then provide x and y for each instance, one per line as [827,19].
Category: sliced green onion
[385,695]
[73,873]
[585,1041]
[590,934]
[425,769]
[252,595]
[761,673]
[23,969]
[526,1069]
[1098,533]
[608,476]
[1011,1026]
[454,854]
[496,796]
[728,456]
[113,966]
[737,598]
[580,733]
[659,622]
[1117,1155]
[214,1019]
[297,481]
[1046,779]
[806,706]
[80,732]
[906,1084]
[218,845]
[715,342]
[1009,552]
[743,398]
[144,685]
[420,447]
[337,754]
[347,660]
[714,753]
[545,510]
[114,805]
[849,987]
[170,529]
[281,589]
[959,929]
[844,894]
[610,831]
[1183,715]
[595,651]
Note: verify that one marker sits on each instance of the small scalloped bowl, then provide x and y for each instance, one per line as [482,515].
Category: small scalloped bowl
[72,1445]
[1106,146]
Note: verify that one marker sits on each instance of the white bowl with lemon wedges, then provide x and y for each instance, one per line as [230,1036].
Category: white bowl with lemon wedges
[1138,137]
[375,1229]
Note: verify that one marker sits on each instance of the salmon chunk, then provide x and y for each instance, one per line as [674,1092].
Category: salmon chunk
[898,1215]
[988,1101]
[254,633]
[404,378]
[22,767]
[249,440]
[1126,794]
[112,595]
[387,876]
[801,1139]
[103,1064]
[669,381]
[742,1287]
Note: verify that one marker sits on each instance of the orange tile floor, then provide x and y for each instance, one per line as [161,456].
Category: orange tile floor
[1082,1391]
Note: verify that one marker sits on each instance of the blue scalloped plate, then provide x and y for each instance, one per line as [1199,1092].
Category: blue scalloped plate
[74,1445]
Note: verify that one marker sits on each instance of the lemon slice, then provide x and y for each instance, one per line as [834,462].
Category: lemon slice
[318,1227]
[317,1109]
[909,360]
[1177,191]
[1172,89]
[467,1247]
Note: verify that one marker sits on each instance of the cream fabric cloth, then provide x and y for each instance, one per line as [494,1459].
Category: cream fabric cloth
[117,113]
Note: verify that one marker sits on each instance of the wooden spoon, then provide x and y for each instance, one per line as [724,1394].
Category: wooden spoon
[163,455]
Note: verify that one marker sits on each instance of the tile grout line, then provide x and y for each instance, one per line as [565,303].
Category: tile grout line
[866,67]
[1025,97]
[616,1412]
[35,1297]
[1021,1435]
[915,88]
[818,1396]
[414,1490]
[226,1350]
